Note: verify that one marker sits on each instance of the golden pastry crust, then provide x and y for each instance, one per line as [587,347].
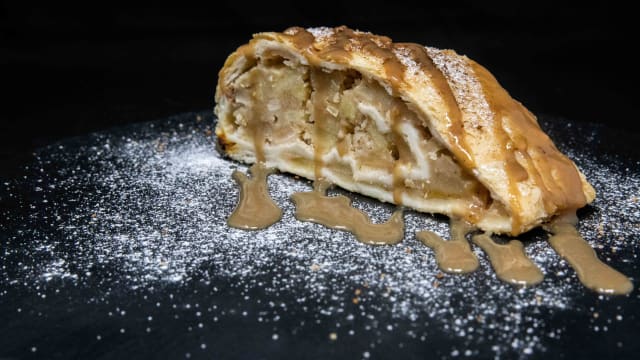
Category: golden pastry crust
[490,136]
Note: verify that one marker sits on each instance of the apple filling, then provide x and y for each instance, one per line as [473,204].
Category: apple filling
[348,130]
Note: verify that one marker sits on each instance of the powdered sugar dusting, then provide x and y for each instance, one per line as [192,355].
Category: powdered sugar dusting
[321,33]
[145,208]
[404,55]
[466,88]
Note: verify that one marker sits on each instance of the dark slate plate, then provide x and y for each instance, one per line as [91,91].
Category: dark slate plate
[114,245]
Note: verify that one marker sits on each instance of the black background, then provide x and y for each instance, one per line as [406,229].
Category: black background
[68,70]
[72,69]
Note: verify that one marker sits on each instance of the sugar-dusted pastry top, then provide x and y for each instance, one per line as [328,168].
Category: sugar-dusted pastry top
[515,178]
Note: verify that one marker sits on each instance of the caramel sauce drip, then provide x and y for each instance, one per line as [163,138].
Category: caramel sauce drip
[520,135]
[453,113]
[256,126]
[255,209]
[509,261]
[336,212]
[455,255]
[593,273]
[301,38]
[404,154]
[323,139]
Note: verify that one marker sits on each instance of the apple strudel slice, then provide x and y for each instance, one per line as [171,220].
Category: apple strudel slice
[411,125]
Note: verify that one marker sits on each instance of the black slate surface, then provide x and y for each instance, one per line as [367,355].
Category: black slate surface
[113,246]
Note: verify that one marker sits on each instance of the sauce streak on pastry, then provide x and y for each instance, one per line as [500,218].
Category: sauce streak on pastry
[404,156]
[323,137]
[454,116]
[528,150]
[336,212]
[255,209]
[455,255]
[256,126]
[509,261]
[592,272]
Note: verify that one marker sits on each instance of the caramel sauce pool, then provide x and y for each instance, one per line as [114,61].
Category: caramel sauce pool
[453,256]
[509,261]
[336,212]
[255,209]
[592,272]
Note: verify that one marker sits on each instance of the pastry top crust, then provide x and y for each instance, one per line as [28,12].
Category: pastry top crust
[490,134]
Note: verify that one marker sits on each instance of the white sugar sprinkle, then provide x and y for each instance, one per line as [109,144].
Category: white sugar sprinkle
[321,33]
